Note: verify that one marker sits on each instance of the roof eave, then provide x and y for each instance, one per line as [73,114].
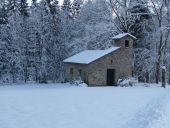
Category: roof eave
[76,63]
[127,34]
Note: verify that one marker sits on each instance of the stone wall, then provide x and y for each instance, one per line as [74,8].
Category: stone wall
[122,63]
[76,75]
[98,69]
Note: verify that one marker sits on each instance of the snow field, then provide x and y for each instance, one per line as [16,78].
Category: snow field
[75,107]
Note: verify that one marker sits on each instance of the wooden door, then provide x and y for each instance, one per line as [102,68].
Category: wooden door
[111,77]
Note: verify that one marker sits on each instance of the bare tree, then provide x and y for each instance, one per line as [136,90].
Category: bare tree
[161,10]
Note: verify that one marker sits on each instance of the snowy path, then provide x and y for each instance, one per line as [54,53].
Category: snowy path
[75,107]
[163,121]
[153,112]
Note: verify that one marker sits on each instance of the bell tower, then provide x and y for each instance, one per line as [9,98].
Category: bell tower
[125,42]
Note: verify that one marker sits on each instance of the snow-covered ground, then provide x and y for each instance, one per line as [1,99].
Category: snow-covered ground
[60,106]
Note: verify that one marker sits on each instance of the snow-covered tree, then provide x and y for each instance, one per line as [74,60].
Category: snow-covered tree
[76,7]
[94,28]
[3,13]
[23,7]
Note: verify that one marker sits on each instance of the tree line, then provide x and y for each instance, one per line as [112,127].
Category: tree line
[36,38]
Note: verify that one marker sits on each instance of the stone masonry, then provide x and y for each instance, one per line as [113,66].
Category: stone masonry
[95,73]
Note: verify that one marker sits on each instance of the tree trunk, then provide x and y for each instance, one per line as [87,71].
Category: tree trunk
[13,72]
[25,73]
[36,74]
[169,76]
[157,75]
[147,77]
[163,77]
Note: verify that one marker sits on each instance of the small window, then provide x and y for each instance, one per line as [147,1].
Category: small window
[80,71]
[126,43]
[111,61]
[71,70]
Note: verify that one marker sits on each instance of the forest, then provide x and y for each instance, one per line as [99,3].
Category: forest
[36,38]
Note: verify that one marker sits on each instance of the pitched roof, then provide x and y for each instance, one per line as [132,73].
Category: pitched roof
[119,36]
[89,56]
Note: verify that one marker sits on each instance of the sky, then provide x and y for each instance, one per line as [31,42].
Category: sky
[60,1]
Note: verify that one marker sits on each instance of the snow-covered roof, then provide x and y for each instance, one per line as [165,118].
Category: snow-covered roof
[119,36]
[89,56]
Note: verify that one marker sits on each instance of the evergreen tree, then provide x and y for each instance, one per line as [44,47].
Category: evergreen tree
[12,6]
[3,14]
[67,8]
[23,7]
[33,3]
[76,7]
[141,27]
[141,17]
